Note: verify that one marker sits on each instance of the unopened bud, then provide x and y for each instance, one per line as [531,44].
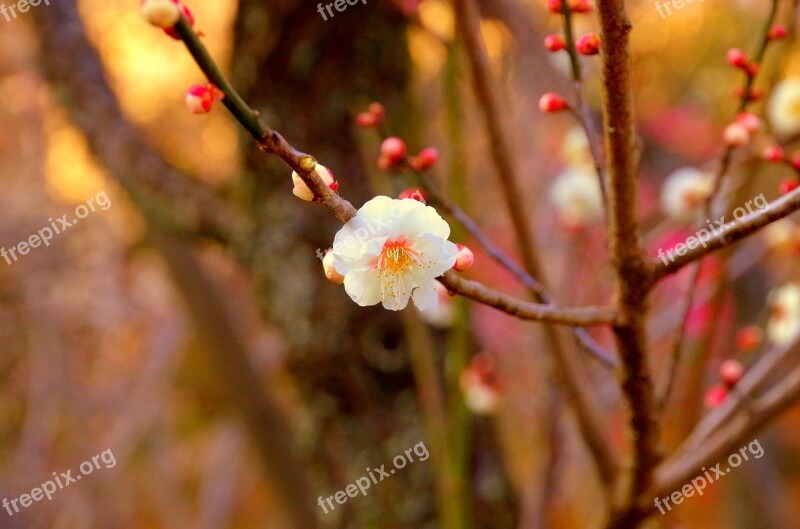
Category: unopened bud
[302,191]
[552,102]
[160,13]
[775,153]
[749,338]
[199,99]
[736,135]
[464,259]
[581,6]
[415,193]
[749,121]
[394,149]
[787,185]
[715,396]
[330,270]
[731,372]
[189,20]
[425,159]
[554,43]
[777,32]
[737,58]
[589,44]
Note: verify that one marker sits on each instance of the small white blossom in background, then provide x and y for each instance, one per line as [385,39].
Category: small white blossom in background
[480,386]
[302,191]
[782,235]
[577,197]
[393,250]
[783,326]
[784,107]
[685,191]
[575,149]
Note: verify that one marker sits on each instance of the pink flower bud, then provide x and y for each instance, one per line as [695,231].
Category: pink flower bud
[394,149]
[581,6]
[752,69]
[749,338]
[425,159]
[787,185]
[378,111]
[330,271]
[464,259]
[189,19]
[160,13]
[715,396]
[589,44]
[554,6]
[199,99]
[736,135]
[749,121]
[777,32]
[366,120]
[775,153]
[737,58]
[384,163]
[416,193]
[552,102]
[731,372]
[554,43]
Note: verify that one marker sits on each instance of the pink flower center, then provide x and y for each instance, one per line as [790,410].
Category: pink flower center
[396,256]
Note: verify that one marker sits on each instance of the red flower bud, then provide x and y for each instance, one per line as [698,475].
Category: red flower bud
[749,121]
[777,32]
[581,6]
[552,102]
[378,112]
[554,6]
[199,99]
[464,259]
[737,58]
[365,120]
[775,153]
[715,396]
[749,338]
[554,43]
[189,18]
[788,185]
[731,372]
[416,193]
[394,149]
[589,44]
[425,159]
[752,69]
[384,163]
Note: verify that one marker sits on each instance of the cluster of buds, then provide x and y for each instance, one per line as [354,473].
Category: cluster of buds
[738,59]
[480,385]
[200,98]
[552,102]
[777,154]
[424,160]
[373,117]
[741,131]
[753,95]
[165,14]
[730,373]
[302,191]
[574,6]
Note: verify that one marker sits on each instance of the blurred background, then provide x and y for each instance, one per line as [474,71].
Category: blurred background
[187,357]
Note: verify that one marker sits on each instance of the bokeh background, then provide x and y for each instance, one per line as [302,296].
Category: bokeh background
[102,350]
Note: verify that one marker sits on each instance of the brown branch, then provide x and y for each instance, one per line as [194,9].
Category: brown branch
[731,233]
[630,266]
[529,311]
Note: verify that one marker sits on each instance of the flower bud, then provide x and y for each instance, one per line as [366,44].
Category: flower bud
[581,6]
[425,159]
[749,121]
[554,6]
[416,193]
[552,102]
[366,120]
[737,58]
[199,99]
[736,135]
[160,13]
[752,69]
[775,153]
[787,185]
[330,271]
[464,259]
[378,112]
[589,44]
[777,32]
[302,191]
[555,43]
[731,372]
[715,396]
[749,338]
[394,149]
[189,19]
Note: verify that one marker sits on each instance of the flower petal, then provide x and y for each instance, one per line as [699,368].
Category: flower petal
[426,296]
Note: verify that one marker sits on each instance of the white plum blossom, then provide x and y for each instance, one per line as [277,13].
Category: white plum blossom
[784,107]
[685,191]
[393,250]
[783,326]
[577,197]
